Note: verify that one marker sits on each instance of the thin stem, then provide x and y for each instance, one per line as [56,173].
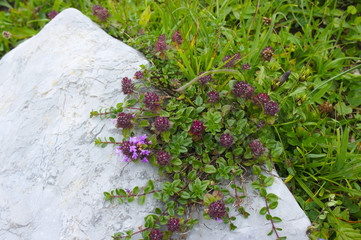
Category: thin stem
[273,224]
[230,71]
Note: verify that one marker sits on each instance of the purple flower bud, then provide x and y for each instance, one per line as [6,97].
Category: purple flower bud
[139,75]
[271,108]
[226,140]
[173,224]
[52,14]
[267,53]
[101,12]
[257,147]
[204,80]
[151,100]
[160,45]
[217,209]
[156,234]
[163,158]
[261,99]
[231,60]
[213,96]
[162,124]
[197,127]
[176,37]
[242,89]
[124,120]
[246,66]
[127,86]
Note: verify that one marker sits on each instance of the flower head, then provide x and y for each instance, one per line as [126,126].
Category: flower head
[267,53]
[213,96]
[151,100]
[163,158]
[261,99]
[124,120]
[226,140]
[101,12]
[176,37]
[257,147]
[246,66]
[156,234]
[52,14]
[134,149]
[271,108]
[231,60]
[205,79]
[127,86]
[162,124]
[160,45]
[217,209]
[139,75]
[242,89]
[197,127]
[173,224]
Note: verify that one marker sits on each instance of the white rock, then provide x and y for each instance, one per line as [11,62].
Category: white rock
[52,176]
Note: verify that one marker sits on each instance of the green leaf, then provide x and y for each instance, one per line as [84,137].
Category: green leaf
[165,136]
[135,190]
[273,205]
[111,139]
[256,170]
[263,211]
[143,123]
[342,109]
[144,18]
[192,175]
[157,195]
[176,162]
[262,192]
[276,219]
[198,101]
[141,200]
[131,102]
[185,195]
[210,169]
[269,181]
[151,184]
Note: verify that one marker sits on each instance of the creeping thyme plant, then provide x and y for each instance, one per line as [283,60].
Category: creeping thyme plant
[201,136]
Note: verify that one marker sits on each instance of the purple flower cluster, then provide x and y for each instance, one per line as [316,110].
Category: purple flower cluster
[217,209]
[267,53]
[271,108]
[261,99]
[161,124]
[134,149]
[226,140]
[124,120]
[139,75]
[246,66]
[231,60]
[242,89]
[257,147]
[151,100]
[163,158]
[204,80]
[101,12]
[176,37]
[156,234]
[52,14]
[127,86]
[213,96]
[197,127]
[173,224]
[160,45]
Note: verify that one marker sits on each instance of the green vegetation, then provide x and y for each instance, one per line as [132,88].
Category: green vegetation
[315,143]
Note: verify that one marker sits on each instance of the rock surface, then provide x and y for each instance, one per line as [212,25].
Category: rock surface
[52,177]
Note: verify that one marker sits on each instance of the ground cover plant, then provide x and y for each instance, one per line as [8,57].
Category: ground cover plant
[302,56]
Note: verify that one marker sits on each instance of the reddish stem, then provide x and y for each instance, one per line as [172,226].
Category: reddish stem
[273,224]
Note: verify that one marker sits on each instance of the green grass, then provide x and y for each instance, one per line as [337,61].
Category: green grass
[317,152]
